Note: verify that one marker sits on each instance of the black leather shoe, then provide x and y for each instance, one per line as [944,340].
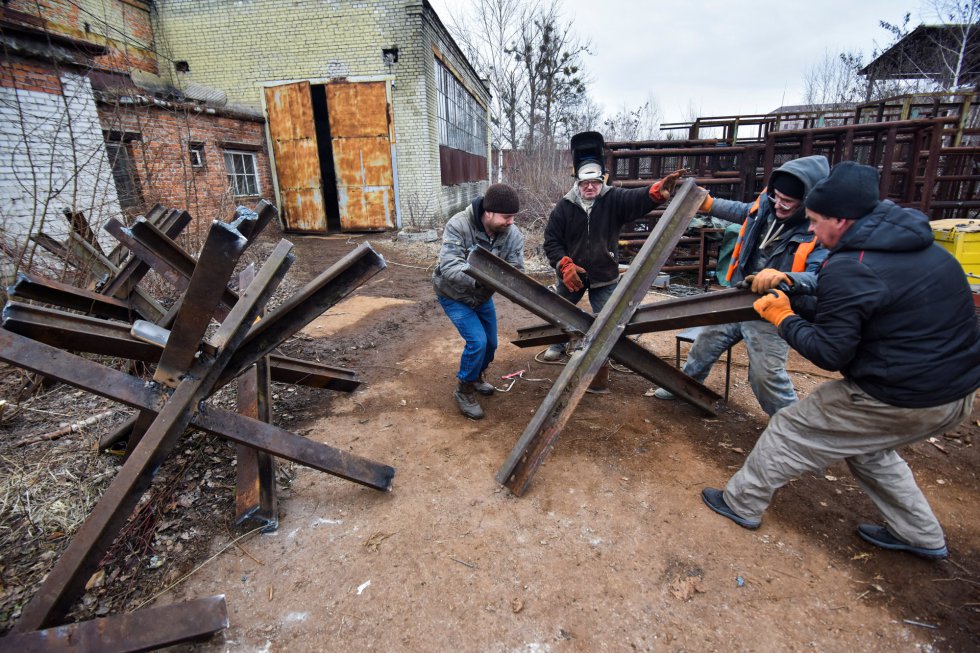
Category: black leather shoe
[881,536]
[715,499]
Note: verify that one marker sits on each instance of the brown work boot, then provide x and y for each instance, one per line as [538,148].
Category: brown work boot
[600,383]
[465,397]
[482,386]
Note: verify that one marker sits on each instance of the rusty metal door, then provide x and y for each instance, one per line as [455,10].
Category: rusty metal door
[360,132]
[294,146]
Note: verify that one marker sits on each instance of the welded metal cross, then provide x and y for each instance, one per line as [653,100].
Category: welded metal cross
[188,372]
[602,336]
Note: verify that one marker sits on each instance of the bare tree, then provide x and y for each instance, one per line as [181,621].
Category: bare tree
[485,31]
[550,56]
[634,124]
[834,80]
[935,56]
[957,46]
[587,116]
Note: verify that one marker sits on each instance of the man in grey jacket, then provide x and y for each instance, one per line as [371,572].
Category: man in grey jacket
[488,223]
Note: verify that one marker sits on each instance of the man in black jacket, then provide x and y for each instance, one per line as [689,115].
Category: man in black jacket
[581,239]
[894,314]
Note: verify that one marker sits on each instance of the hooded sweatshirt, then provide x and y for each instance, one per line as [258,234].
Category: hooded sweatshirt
[765,241]
[894,313]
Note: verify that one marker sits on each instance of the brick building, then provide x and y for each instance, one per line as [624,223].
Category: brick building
[51,143]
[206,160]
[90,127]
[375,117]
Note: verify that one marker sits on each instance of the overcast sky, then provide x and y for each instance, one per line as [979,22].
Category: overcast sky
[716,57]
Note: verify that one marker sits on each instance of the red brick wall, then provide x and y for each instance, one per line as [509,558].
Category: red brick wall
[129,34]
[162,160]
[29,76]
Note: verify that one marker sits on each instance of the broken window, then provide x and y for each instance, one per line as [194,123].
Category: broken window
[243,180]
[197,154]
[462,130]
[123,173]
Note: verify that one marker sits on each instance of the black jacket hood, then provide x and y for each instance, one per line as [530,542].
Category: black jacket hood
[889,227]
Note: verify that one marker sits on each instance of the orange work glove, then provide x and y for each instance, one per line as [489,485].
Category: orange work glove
[569,274]
[774,307]
[768,279]
[706,204]
[660,191]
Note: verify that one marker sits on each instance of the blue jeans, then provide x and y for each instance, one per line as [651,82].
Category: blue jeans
[478,326]
[767,359]
[597,296]
[597,299]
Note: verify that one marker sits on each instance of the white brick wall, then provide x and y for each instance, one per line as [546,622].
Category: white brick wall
[54,159]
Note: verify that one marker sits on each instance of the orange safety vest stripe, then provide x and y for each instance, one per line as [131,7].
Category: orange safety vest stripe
[802,253]
[733,263]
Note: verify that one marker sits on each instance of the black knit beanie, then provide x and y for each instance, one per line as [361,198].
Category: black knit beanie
[850,191]
[788,184]
[501,198]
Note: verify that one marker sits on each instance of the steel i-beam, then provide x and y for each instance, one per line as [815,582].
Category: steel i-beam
[721,307]
[525,291]
[539,437]
[66,581]
[255,471]
[62,294]
[331,286]
[143,630]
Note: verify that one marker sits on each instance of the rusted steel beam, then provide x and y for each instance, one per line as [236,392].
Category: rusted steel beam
[67,296]
[143,630]
[864,127]
[702,181]
[289,446]
[312,375]
[211,275]
[84,257]
[218,258]
[79,225]
[678,151]
[73,332]
[142,301]
[721,307]
[103,381]
[335,283]
[165,257]
[66,581]
[51,245]
[524,291]
[133,270]
[552,415]
[255,471]
[174,269]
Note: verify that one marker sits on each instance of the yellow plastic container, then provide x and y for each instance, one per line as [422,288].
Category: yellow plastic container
[962,239]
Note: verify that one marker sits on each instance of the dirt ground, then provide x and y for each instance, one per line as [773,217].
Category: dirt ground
[611,548]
